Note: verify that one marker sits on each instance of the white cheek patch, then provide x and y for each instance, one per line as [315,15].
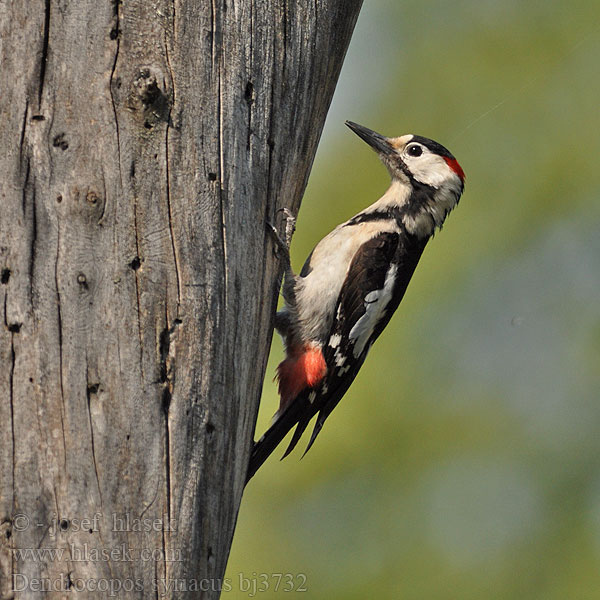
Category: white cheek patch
[375,304]
[429,169]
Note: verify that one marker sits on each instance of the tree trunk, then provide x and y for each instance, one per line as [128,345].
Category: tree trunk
[143,145]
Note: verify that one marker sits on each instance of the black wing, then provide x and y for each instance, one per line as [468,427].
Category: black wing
[387,256]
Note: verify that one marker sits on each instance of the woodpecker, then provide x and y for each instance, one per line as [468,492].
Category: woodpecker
[353,281]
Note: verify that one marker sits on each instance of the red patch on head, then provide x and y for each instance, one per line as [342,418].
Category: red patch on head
[301,369]
[453,164]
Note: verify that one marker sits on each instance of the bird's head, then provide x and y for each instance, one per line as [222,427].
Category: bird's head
[429,168]
[414,157]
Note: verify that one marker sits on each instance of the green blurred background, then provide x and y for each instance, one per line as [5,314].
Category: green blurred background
[465,460]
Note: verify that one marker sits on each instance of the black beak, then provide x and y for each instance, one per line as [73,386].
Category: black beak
[377,141]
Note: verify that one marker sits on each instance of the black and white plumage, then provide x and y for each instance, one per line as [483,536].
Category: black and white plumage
[352,283]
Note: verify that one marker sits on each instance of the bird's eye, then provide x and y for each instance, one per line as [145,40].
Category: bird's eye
[414,150]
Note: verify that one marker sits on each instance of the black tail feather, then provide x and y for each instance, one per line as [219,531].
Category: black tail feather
[302,425]
[317,428]
[300,411]
[274,435]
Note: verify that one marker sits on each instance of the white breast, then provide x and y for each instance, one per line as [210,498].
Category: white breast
[318,292]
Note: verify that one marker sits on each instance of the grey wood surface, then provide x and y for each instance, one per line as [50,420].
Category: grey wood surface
[142,146]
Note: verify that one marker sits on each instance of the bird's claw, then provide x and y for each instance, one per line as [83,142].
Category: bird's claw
[290,225]
[283,245]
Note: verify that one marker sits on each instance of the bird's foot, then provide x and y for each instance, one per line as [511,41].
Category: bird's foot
[283,244]
[290,225]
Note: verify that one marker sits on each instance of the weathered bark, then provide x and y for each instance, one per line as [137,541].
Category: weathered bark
[143,145]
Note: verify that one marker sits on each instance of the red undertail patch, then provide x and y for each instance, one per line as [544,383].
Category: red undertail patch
[453,164]
[302,368]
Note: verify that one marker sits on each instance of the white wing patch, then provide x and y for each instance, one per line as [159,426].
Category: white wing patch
[375,303]
[334,340]
[340,359]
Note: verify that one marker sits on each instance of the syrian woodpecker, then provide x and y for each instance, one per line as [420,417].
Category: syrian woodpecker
[352,283]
